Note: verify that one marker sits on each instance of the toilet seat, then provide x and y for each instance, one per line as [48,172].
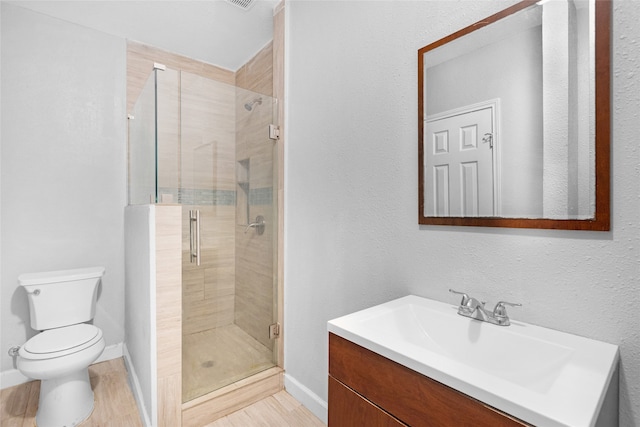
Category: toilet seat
[60,342]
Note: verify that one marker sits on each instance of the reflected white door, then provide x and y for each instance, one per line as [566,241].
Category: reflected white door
[459,175]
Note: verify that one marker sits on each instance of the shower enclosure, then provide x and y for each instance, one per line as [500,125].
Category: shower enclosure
[205,145]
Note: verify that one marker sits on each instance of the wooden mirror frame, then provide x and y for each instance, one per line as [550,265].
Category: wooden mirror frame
[601,219]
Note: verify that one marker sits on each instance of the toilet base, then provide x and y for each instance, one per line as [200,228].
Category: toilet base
[65,401]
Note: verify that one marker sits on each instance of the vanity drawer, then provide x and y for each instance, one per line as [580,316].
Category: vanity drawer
[409,396]
[348,409]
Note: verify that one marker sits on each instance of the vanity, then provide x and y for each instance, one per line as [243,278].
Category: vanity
[415,361]
[358,377]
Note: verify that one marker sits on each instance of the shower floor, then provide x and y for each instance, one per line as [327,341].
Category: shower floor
[218,357]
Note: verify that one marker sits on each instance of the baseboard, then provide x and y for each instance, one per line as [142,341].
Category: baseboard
[110,352]
[309,399]
[14,377]
[134,384]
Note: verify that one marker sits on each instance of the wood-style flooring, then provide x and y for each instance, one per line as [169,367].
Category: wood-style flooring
[279,410]
[115,405]
[114,402]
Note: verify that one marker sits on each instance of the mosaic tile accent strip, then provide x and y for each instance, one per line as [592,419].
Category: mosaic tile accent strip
[261,196]
[192,196]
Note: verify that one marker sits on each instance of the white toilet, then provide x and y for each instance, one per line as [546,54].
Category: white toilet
[60,355]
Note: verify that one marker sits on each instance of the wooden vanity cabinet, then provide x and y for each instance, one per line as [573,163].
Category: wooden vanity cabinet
[366,389]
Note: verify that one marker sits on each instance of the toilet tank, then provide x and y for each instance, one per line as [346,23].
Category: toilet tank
[61,298]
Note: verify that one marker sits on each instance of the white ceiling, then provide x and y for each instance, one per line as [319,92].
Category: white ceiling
[212,31]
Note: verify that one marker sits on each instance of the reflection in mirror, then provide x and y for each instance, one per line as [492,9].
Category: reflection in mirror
[508,119]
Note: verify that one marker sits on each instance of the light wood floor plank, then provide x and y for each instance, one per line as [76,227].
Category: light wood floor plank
[32,405]
[303,417]
[113,398]
[115,405]
[114,402]
[279,410]
[241,419]
[286,401]
[264,414]
[14,403]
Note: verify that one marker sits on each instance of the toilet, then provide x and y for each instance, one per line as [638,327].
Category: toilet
[60,302]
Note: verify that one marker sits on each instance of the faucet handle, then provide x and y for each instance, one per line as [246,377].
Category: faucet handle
[465,297]
[501,311]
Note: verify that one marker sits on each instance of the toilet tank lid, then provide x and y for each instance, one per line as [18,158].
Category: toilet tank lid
[60,276]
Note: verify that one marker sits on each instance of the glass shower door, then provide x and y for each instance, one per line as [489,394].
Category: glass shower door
[142,146]
[226,164]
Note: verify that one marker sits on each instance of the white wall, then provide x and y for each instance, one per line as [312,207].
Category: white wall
[140,307]
[63,163]
[352,237]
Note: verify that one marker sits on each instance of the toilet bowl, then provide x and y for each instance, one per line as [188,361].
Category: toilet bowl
[59,356]
[60,359]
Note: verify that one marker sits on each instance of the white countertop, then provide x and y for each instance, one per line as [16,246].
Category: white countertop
[539,375]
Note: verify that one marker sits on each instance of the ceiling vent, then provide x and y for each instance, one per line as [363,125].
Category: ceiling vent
[242,4]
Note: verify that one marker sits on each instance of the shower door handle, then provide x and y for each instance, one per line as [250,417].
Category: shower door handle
[194,236]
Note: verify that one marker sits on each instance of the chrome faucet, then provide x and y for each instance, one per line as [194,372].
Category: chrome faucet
[474,309]
[258,225]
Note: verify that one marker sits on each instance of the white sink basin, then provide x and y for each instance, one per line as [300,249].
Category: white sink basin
[542,376]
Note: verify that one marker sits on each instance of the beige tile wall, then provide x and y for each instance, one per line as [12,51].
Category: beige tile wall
[140,60]
[257,74]
[168,108]
[255,282]
[169,314]
[208,162]
[208,133]
[208,290]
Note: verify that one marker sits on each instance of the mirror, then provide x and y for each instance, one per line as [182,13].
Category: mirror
[514,119]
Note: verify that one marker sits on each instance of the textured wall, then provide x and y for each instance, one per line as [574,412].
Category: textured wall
[63,163]
[352,238]
[140,302]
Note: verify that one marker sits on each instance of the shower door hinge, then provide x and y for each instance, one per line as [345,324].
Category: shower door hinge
[274,331]
[274,132]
